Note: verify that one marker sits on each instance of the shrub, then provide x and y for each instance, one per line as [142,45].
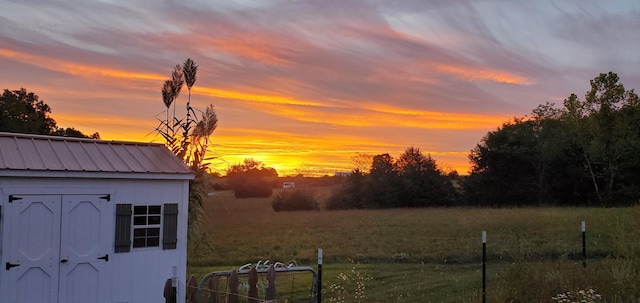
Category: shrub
[295,199]
[256,188]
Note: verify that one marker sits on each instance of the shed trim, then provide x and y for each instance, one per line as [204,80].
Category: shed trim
[95,175]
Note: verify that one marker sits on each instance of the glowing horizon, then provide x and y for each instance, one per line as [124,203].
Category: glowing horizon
[290,154]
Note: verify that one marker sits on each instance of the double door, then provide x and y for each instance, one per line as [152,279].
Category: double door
[55,248]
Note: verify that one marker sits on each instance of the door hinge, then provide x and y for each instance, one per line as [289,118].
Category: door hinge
[107,197]
[10,265]
[13,198]
[105,257]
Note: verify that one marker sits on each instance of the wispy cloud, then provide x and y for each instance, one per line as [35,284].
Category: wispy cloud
[317,81]
[71,68]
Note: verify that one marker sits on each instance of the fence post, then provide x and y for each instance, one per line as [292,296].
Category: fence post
[169,292]
[213,289]
[484,266]
[271,287]
[233,287]
[584,245]
[319,286]
[253,286]
[192,290]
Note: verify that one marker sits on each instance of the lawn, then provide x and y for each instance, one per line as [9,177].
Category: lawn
[430,255]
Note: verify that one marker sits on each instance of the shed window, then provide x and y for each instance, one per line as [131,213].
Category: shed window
[146,225]
[150,224]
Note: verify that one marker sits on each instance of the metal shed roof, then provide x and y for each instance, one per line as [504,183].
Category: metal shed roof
[23,152]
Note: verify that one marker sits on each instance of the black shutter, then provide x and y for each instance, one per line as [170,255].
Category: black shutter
[123,228]
[170,226]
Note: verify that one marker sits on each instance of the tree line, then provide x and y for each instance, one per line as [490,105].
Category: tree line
[411,180]
[582,153]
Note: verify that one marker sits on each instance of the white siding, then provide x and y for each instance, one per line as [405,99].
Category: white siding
[138,275]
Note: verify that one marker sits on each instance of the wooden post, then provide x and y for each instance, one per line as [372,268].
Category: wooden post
[169,292]
[271,288]
[192,290]
[233,288]
[213,289]
[253,286]
[484,266]
[319,288]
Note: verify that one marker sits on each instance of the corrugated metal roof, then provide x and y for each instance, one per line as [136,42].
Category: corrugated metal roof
[49,153]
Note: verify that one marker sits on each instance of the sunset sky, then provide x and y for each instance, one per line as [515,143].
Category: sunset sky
[304,86]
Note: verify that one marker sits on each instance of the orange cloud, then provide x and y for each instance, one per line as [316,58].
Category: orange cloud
[478,73]
[255,47]
[234,95]
[75,69]
[365,116]
[392,117]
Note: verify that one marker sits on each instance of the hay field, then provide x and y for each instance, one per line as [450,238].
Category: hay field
[432,255]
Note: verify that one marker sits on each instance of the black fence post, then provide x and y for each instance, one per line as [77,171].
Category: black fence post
[584,245]
[484,266]
[319,288]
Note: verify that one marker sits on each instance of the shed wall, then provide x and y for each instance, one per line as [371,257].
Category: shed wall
[138,275]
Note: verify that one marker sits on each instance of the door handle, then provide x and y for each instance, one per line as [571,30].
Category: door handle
[64,261]
[105,257]
[10,265]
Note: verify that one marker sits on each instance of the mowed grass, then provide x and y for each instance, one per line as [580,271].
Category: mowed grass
[431,255]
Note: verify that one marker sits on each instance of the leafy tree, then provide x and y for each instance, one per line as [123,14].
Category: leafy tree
[381,188]
[604,137]
[252,179]
[583,153]
[518,164]
[72,132]
[351,193]
[414,180]
[362,161]
[608,133]
[422,183]
[24,112]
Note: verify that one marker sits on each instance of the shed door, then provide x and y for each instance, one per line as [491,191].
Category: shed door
[31,249]
[55,249]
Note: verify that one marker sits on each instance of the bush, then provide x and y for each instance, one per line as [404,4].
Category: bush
[295,199]
[253,189]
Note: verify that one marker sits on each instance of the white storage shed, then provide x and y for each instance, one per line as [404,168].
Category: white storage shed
[91,221]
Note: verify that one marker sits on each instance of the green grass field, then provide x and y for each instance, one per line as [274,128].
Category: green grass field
[430,255]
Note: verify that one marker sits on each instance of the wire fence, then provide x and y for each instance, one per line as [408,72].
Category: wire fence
[406,279]
[260,282]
